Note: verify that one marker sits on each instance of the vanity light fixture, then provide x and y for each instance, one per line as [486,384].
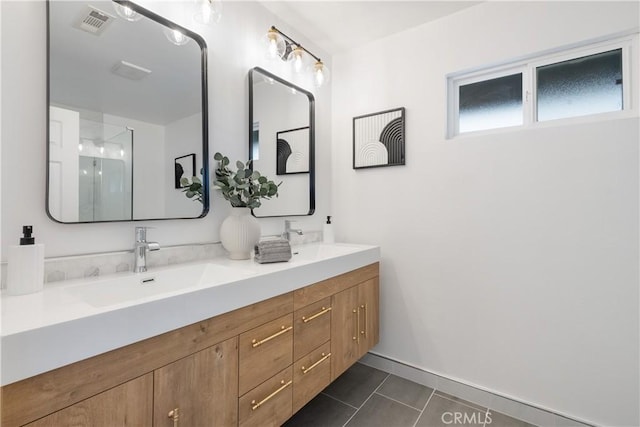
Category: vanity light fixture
[126,12]
[176,37]
[208,11]
[279,45]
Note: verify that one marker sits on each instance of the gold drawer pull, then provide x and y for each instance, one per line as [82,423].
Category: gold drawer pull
[304,371]
[256,343]
[318,314]
[255,405]
[366,320]
[356,325]
[175,416]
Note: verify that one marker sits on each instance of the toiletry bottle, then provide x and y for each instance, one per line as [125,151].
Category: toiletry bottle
[327,232]
[25,269]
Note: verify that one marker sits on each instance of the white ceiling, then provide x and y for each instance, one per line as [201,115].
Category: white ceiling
[335,26]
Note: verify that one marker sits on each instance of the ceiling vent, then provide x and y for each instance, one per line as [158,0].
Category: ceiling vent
[130,71]
[93,21]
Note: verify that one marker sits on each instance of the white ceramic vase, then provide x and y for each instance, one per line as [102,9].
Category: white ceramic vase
[239,233]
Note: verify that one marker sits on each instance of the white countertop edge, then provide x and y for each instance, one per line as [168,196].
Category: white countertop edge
[35,351]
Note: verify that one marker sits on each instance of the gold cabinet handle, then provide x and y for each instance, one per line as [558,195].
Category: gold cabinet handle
[324,357]
[358,331]
[255,343]
[318,314]
[356,326]
[255,405]
[364,331]
[174,414]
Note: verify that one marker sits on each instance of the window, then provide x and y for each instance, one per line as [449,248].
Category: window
[490,104]
[579,87]
[573,83]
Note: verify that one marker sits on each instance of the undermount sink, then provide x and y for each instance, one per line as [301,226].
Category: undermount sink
[130,287]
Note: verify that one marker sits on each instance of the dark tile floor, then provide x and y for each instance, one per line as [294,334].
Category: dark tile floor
[368,397]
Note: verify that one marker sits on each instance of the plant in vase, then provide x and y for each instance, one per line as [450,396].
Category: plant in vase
[243,188]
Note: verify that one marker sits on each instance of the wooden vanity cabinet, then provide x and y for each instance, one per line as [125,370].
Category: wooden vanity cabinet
[256,365]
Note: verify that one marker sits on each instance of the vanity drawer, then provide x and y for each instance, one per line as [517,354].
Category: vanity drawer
[269,404]
[311,375]
[265,351]
[312,326]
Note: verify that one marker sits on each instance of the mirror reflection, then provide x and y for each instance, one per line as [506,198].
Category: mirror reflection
[281,120]
[127,97]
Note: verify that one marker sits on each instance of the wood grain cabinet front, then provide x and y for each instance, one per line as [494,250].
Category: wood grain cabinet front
[311,374]
[129,404]
[264,351]
[312,327]
[198,390]
[354,324]
[269,404]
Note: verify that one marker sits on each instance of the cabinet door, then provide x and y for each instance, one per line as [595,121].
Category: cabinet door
[368,299]
[128,404]
[345,350]
[354,324]
[199,390]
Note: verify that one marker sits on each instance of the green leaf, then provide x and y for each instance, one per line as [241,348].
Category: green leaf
[217,156]
[196,179]
[239,165]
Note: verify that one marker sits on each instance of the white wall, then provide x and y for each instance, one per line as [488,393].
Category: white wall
[233,48]
[510,260]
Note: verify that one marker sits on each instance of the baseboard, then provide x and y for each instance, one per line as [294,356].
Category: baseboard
[509,406]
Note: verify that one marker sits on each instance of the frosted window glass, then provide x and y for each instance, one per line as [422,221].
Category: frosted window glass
[491,104]
[578,87]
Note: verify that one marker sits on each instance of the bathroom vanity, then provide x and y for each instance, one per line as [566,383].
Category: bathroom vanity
[274,337]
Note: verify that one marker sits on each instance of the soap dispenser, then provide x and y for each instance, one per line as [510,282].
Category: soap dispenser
[327,232]
[25,269]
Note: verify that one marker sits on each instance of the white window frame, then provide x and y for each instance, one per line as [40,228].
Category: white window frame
[527,66]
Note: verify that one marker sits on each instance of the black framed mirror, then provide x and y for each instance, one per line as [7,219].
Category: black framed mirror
[127,95]
[282,142]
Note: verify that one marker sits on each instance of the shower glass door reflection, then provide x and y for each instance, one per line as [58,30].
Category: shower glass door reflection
[105,176]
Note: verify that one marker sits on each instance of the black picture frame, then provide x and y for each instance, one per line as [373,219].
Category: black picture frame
[184,166]
[379,139]
[292,142]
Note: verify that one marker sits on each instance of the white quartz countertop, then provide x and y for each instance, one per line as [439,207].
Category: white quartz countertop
[77,319]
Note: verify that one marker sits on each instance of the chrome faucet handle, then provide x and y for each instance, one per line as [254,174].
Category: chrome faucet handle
[141,233]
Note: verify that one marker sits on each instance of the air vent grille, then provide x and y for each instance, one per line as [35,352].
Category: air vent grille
[94,21]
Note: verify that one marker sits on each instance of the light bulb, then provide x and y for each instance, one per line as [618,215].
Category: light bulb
[101,150]
[208,11]
[121,152]
[274,44]
[176,37]
[296,56]
[80,146]
[126,12]
[320,74]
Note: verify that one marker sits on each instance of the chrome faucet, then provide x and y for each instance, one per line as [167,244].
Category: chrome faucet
[140,251]
[288,229]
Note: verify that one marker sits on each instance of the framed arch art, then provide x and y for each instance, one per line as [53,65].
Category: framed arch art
[292,148]
[378,139]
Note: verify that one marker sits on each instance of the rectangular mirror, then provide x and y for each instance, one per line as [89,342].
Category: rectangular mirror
[281,142]
[127,96]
